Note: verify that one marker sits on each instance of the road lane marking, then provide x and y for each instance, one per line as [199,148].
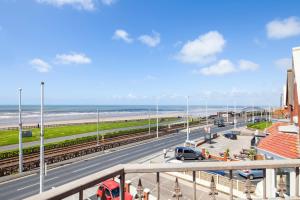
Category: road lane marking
[28,186]
[93,165]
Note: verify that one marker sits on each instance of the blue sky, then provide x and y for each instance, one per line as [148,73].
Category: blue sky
[133,52]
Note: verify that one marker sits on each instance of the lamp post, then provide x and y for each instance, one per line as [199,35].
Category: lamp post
[97,127]
[252,113]
[234,121]
[42,169]
[20,133]
[206,117]
[149,123]
[227,114]
[187,119]
[156,118]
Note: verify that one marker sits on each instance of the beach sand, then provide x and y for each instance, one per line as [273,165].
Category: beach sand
[102,119]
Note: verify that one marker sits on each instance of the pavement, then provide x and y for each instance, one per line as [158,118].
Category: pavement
[59,139]
[29,185]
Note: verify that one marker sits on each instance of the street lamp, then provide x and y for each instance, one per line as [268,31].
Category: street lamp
[157,118]
[187,119]
[97,127]
[149,122]
[20,133]
[42,169]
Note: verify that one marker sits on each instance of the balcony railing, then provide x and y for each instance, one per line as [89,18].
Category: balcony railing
[120,171]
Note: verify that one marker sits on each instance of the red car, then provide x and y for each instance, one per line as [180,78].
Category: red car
[111,190]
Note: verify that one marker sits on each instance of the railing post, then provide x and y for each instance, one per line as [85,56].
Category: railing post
[157,185]
[194,185]
[122,185]
[264,185]
[231,185]
[297,181]
[81,195]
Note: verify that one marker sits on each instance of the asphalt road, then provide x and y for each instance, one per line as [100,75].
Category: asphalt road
[27,186]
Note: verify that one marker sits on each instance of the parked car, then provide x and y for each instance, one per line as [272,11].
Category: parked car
[219,122]
[185,153]
[111,190]
[230,135]
[217,172]
[252,173]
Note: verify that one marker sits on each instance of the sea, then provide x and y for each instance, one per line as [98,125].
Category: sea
[55,113]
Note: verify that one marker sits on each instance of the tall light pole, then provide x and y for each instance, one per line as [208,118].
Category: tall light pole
[227,114]
[206,117]
[149,123]
[187,119]
[234,121]
[42,169]
[97,127]
[156,118]
[20,133]
[252,113]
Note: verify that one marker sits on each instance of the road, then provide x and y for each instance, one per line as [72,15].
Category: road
[27,186]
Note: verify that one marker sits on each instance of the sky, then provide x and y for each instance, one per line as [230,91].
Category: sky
[141,52]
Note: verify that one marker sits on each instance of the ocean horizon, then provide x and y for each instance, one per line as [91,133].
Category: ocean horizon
[31,113]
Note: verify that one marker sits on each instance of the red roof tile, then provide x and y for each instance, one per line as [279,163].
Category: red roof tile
[283,144]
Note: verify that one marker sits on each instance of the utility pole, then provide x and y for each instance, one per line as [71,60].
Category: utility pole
[187,119]
[42,170]
[156,118]
[234,121]
[149,121]
[252,113]
[97,127]
[269,113]
[20,133]
[206,113]
[227,114]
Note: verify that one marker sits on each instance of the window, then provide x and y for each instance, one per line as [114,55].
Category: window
[179,151]
[188,151]
[115,192]
[107,193]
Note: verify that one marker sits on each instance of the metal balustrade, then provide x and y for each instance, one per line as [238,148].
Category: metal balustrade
[120,171]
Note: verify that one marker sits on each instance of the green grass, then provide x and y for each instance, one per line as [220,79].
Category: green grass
[8,137]
[259,125]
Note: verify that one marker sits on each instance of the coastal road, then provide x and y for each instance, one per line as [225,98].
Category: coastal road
[29,185]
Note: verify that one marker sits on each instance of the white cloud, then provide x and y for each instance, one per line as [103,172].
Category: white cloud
[108,2]
[40,65]
[283,63]
[248,65]
[278,29]
[150,77]
[151,41]
[203,49]
[78,4]
[123,35]
[72,58]
[220,68]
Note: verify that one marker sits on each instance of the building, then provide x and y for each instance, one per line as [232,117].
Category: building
[282,140]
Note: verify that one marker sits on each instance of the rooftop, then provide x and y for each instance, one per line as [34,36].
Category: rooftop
[284,144]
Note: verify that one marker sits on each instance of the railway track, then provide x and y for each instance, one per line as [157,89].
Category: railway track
[10,165]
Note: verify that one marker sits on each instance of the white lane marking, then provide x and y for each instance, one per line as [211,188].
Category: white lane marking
[27,186]
[93,165]
[46,180]
[50,179]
